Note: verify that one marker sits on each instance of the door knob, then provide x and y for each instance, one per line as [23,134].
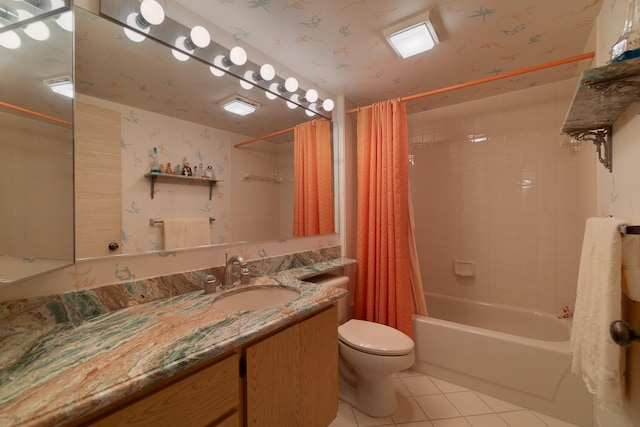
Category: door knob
[622,333]
[113,246]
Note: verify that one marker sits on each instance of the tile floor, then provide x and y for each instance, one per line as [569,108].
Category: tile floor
[425,401]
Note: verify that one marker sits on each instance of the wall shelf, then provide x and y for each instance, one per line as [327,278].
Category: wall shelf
[603,94]
[179,179]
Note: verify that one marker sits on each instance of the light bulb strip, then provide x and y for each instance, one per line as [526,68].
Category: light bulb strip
[217,57]
[38,15]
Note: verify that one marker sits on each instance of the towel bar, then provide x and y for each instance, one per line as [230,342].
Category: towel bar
[161,222]
[629,229]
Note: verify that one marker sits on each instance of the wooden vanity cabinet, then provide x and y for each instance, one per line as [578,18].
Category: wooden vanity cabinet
[292,376]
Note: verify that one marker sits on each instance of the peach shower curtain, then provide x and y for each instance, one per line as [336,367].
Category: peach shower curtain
[313,183]
[383,291]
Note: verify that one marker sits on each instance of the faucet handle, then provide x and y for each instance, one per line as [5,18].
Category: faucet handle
[245,274]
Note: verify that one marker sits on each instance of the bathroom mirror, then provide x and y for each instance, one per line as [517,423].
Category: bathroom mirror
[146,75]
[36,143]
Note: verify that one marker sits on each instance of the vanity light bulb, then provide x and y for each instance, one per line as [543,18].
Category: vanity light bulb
[291,84]
[309,113]
[37,30]
[200,37]
[328,104]
[10,40]
[311,95]
[292,104]
[248,75]
[216,71]
[152,12]
[267,72]
[132,21]
[182,45]
[271,93]
[219,63]
[65,21]
[238,55]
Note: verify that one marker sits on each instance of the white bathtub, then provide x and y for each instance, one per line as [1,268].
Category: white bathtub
[514,354]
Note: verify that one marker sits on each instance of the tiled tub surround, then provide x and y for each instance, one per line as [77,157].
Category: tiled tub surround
[77,366]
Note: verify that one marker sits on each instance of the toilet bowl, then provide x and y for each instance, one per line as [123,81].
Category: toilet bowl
[370,353]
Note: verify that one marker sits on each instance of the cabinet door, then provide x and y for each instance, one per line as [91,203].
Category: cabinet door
[97,179]
[273,380]
[319,369]
[199,399]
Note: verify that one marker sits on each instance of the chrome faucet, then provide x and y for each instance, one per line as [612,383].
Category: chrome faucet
[227,280]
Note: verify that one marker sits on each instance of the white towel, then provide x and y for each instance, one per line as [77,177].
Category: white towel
[596,358]
[186,232]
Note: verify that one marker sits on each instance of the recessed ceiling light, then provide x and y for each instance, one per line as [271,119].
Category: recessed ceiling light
[239,105]
[412,36]
[61,85]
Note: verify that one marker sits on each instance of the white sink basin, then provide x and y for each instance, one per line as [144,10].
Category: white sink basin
[255,298]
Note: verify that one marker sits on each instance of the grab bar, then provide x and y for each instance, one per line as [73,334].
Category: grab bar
[161,222]
[273,178]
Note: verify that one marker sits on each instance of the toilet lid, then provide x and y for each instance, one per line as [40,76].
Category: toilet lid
[374,338]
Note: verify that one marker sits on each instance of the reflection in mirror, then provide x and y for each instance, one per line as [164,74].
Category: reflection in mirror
[175,106]
[36,146]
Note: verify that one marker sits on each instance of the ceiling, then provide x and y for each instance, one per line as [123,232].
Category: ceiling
[335,45]
[338,44]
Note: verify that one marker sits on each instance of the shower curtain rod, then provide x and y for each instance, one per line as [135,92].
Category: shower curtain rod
[538,67]
[34,113]
[280,132]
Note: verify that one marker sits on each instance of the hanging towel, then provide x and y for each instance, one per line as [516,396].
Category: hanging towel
[596,358]
[186,232]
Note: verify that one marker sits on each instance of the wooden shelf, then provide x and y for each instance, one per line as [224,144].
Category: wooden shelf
[603,94]
[179,179]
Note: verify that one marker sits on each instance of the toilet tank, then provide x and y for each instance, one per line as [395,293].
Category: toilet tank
[335,281]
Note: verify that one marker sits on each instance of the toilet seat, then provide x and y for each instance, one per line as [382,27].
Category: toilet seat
[374,338]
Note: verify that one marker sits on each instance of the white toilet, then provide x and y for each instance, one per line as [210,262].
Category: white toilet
[370,353]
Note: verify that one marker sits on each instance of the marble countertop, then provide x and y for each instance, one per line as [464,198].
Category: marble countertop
[76,369]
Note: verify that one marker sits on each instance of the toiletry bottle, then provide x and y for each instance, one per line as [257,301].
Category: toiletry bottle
[155,166]
[628,44]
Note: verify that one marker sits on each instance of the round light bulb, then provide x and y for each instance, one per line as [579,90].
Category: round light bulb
[10,40]
[200,36]
[309,111]
[37,30]
[248,75]
[271,93]
[328,104]
[291,84]
[218,62]
[181,44]
[65,21]
[267,72]
[216,71]
[293,101]
[238,56]
[132,21]
[311,95]
[152,12]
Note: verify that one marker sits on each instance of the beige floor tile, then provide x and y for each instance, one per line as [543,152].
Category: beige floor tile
[522,418]
[451,422]
[498,405]
[419,386]
[365,420]
[408,411]
[437,406]
[486,420]
[345,417]
[446,387]
[468,403]
[552,422]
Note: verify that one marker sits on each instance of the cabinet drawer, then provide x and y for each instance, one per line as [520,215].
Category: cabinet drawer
[196,400]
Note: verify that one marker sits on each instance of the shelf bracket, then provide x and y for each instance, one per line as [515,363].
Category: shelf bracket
[601,138]
[153,185]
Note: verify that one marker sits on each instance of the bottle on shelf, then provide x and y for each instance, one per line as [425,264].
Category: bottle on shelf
[155,165]
[628,44]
